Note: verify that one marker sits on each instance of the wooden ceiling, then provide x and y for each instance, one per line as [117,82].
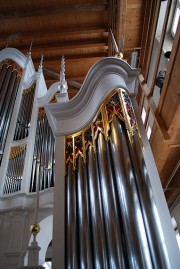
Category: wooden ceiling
[77,29]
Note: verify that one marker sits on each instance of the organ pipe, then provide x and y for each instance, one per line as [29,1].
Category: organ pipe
[110,206]
[71,231]
[96,210]
[9,82]
[151,217]
[24,116]
[43,157]
[14,174]
[85,250]
[137,244]
[110,209]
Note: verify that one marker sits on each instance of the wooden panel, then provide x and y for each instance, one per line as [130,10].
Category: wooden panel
[172,98]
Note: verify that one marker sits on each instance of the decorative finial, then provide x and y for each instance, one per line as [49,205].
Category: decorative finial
[118,53]
[63,83]
[35,228]
[41,62]
[30,49]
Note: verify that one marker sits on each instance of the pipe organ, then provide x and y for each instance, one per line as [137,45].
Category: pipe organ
[42,164]
[92,154]
[110,208]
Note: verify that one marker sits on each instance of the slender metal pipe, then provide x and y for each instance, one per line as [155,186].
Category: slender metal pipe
[150,213]
[7,100]
[32,187]
[71,220]
[4,133]
[83,217]
[35,159]
[135,235]
[114,232]
[2,77]
[5,86]
[98,225]
[18,130]
[30,111]
[53,159]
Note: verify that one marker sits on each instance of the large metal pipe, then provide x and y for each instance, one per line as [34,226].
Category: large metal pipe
[53,159]
[2,77]
[71,220]
[18,131]
[14,173]
[149,209]
[114,232]
[98,225]
[5,86]
[44,151]
[4,132]
[85,249]
[7,100]
[24,116]
[135,234]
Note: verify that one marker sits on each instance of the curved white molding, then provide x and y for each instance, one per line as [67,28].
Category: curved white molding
[15,55]
[104,76]
[25,201]
[44,100]
[41,85]
[28,84]
[22,60]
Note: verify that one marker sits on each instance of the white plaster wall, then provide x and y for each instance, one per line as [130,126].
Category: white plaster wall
[14,235]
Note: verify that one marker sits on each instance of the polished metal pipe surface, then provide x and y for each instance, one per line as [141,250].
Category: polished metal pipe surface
[135,235]
[5,86]
[83,217]
[71,220]
[4,132]
[7,101]
[2,77]
[150,213]
[116,252]
[97,219]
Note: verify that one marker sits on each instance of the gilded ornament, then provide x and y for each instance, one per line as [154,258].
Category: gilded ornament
[35,228]
[16,151]
[14,65]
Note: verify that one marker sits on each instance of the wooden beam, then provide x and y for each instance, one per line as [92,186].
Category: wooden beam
[69,44]
[149,30]
[53,10]
[160,47]
[32,36]
[168,77]
[120,21]
[153,109]
[56,58]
